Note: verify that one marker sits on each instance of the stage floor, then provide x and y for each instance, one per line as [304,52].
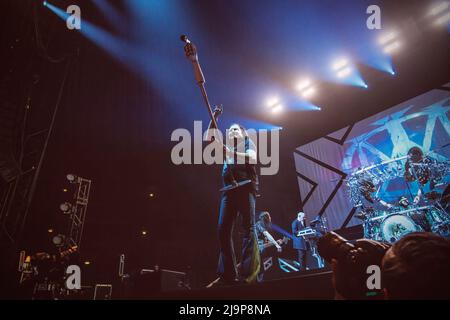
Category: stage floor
[307,285]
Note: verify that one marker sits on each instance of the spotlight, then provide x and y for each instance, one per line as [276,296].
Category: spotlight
[439,8]
[340,64]
[151,195]
[59,240]
[342,68]
[44,3]
[86,263]
[344,72]
[50,230]
[389,42]
[277,108]
[365,86]
[393,73]
[308,92]
[71,177]
[444,19]
[306,88]
[390,48]
[271,102]
[274,104]
[385,38]
[304,84]
[65,207]
[144,232]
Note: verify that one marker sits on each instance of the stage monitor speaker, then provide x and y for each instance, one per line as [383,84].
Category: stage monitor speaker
[102,292]
[151,283]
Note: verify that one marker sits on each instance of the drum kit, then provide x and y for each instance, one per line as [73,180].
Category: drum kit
[388,222]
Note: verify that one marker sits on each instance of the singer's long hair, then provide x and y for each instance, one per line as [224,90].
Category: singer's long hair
[246,138]
[265,218]
[243,130]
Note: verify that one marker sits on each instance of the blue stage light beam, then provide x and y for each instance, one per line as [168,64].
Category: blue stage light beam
[111,14]
[303,105]
[281,231]
[294,104]
[118,48]
[378,54]
[286,100]
[59,12]
[158,57]
[385,65]
[375,48]
[153,13]
[345,72]
[375,58]
[249,123]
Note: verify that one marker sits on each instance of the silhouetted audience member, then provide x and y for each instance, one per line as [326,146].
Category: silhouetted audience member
[350,277]
[350,262]
[417,267]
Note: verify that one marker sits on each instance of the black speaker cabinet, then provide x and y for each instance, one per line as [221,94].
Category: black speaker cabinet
[148,283]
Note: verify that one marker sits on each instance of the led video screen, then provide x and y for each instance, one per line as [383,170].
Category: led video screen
[377,148]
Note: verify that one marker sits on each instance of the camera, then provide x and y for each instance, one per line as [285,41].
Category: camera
[350,263]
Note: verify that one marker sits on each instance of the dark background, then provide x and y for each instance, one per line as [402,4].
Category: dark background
[114,123]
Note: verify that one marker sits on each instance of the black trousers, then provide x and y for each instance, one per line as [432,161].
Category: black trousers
[302,258]
[240,200]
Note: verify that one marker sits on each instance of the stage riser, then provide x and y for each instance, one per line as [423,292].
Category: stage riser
[311,286]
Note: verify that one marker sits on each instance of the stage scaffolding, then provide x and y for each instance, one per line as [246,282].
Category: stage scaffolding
[78,213]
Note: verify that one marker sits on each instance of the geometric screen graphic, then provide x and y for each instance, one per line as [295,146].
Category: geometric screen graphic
[324,165]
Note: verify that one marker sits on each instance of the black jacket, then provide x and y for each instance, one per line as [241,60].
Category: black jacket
[298,243]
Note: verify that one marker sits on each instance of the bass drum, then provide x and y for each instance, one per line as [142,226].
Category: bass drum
[395,226]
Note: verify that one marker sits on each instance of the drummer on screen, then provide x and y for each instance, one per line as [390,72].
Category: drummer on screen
[403,203]
[418,216]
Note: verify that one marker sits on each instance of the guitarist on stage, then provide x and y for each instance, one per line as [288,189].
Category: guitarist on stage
[265,239]
[263,226]
[238,197]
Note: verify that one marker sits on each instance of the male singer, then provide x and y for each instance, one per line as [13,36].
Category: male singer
[241,186]
[239,193]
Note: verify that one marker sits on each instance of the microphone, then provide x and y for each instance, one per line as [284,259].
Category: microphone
[184,38]
[191,53]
